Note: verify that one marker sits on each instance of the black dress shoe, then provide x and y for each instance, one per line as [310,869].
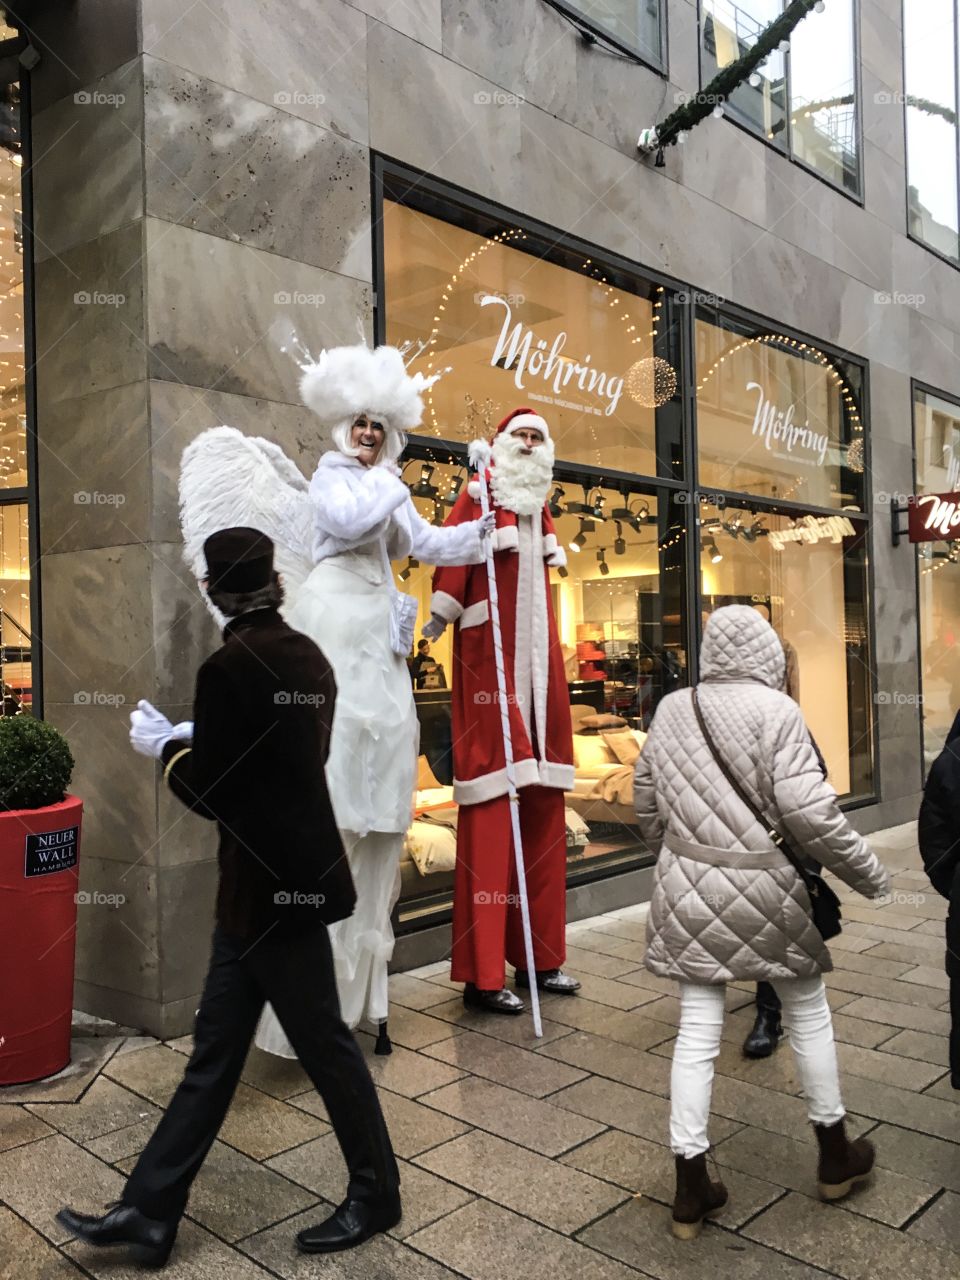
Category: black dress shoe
[555,981]
[148,1241]
[351,1224]
[765,1036]
[502,1001]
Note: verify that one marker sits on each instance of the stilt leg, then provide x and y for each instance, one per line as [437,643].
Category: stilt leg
[383,1045]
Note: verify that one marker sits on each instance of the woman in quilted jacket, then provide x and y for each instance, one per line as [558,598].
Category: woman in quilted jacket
[728,905]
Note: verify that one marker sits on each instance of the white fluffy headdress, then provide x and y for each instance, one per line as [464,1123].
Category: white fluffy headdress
[346,381]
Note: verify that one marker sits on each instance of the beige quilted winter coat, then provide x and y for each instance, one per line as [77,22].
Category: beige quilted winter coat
[726,904]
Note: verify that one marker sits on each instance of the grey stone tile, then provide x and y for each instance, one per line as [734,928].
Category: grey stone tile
[620,927]
[105,1107]
[647,1169]
[258,1196]
[279,1077]
[940,1224]
[413,1127]
[608,944]
[619,995]
[581,961]
[633,1029]
[943,1089]
[915,1017]
[382,1258]
[639,1232]
[875,933]
[517,1030]
[41,1177]
[778,1072]
[486,1242]
[541,1126]
[407,1072]
[152,1073]
[319,1166]
[889,1197]
[313,64]
[928,976]
[885,1067]
[419,19]
[88,1055]
[645,1114]
[218,161]
[845,1244]
[868,984]
[621,1062]
[415,1030]
[504,1063]
[921,1045]
[752,1104]
[918,1155]
[415,993]
[19,1126]
[869,962]
[25,1253]
[561,1198]
[198,1254]
[117,1146]
[219,312]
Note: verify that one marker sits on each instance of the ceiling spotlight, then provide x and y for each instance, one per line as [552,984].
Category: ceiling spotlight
[601,557]
[563,571]
[554,503]
[423,488]
[456,484]
[579,542]
[404,573]
[733,527]
[634,518]
[712,550]
[619,545]
[597,509]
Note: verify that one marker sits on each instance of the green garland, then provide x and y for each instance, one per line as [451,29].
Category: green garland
[732,75]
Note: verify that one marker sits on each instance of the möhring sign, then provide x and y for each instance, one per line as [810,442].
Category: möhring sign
[774,425]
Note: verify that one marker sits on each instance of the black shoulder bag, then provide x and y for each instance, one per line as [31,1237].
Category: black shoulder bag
[824,903]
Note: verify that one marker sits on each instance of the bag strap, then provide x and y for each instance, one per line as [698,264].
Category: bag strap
[776,836]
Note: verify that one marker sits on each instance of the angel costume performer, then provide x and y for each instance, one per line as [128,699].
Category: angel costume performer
[334,540]
[487,927]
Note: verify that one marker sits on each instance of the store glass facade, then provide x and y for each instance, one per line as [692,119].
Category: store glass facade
[702,459]
[804,100]
[930,51]
[936,424]
[635,25]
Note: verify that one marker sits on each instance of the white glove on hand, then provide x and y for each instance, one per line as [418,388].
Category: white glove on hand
[150,730]
[183,730]
[487,523]
[435,628]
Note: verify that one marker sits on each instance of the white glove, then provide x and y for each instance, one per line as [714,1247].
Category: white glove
[487,523]
[150,730]
[183,730]
[435,628]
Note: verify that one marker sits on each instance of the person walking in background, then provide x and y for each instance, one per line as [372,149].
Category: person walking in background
[939,836]
[728,905]
[253,762]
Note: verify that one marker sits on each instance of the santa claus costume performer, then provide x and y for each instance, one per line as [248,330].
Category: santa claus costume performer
[487,923]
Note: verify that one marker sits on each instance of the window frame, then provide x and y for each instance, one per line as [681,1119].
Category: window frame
[937,253]
[858,197]
[570,10]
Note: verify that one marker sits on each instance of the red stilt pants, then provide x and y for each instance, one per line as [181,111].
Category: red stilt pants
[487,923]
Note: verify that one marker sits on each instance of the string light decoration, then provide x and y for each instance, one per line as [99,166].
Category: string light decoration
[651,382]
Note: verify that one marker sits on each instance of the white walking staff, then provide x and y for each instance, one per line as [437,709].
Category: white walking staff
[479,453]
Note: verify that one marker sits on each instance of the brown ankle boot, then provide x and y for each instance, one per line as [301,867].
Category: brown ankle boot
[842,1163]
[696,1196]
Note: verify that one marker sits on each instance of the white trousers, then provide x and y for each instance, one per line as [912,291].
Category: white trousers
[806,1017]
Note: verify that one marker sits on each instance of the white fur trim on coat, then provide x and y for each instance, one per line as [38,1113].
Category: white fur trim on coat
[475,614]
[445,606]
[506,538]
[528,773]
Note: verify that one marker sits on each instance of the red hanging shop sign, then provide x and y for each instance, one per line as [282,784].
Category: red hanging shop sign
[934,517]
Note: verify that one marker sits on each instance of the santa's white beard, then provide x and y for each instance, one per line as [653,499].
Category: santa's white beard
[521,482]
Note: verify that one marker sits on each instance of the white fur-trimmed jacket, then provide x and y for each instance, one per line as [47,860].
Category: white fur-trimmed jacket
[353,504]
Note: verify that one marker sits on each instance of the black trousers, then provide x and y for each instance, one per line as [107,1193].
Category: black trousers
[767,999]
[296,975]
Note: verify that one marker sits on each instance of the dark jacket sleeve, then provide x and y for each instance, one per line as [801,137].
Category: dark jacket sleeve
[939,822]
[204,773]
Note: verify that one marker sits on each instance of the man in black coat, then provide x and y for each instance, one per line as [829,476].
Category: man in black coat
[253,761]
[939,835]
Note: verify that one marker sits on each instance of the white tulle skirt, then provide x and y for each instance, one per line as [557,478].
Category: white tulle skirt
[344,606]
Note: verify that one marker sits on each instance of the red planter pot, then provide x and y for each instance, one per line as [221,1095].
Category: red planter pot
[38,924]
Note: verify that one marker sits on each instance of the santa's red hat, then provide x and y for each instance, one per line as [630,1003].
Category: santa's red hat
[519,418]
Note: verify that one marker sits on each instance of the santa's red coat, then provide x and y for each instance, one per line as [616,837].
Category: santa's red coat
[537,696]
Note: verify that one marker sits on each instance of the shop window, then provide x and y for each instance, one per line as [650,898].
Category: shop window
[638,26]
[807,576]
[937,443]
[930,85]
[777,417]
[803,101]
[519,320]
[619,605]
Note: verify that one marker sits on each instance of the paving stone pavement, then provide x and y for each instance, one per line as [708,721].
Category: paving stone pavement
[541,1158]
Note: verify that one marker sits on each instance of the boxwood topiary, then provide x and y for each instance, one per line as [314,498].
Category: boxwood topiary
[35,763]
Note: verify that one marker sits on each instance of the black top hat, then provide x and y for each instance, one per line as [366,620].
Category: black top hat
[238,560]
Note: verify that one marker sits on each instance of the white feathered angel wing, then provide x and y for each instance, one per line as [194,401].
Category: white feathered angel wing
[229,479]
